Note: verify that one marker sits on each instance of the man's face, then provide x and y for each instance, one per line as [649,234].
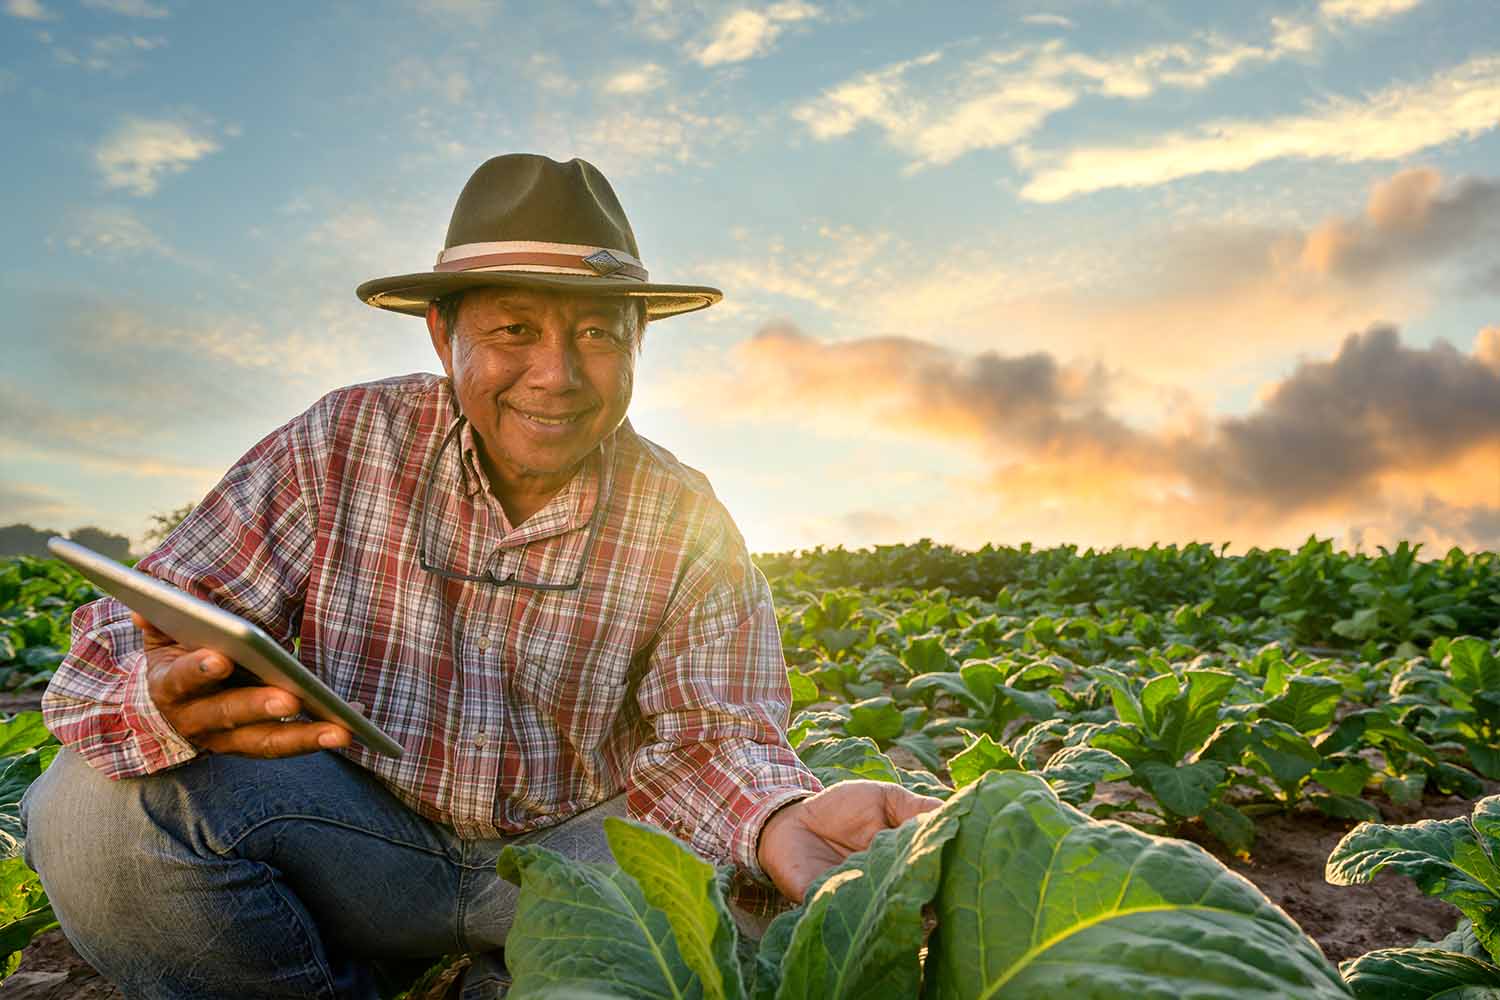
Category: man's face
[542,377]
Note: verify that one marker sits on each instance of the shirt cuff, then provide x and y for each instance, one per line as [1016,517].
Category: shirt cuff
[747,838]
[161,745]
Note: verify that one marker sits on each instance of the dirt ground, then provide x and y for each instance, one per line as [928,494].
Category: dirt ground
[1346,921]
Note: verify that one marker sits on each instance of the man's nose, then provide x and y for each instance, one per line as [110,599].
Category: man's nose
[555,364]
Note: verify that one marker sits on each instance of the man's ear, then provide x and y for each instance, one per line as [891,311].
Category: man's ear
[441,341]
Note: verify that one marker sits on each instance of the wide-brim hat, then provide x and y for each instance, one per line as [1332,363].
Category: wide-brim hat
[528,221]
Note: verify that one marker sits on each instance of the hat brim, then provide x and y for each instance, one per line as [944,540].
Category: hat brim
[411,293]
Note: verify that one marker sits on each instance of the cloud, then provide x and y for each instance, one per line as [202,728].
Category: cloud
[129,8]
[661,139]
[1204,307]
[1438,524]
[828,273]
[1376,429]
[117,54]
[545,72]
[1048,20]
[1487,348]
[105,441]
[28,10]
[746,33]
[109,231]
[1409,221]
[1364,11]
[937,112]
[657,20]
[639,80]
[28,502]
[1459,103]
[137,154]
[419,74]
[1330,428]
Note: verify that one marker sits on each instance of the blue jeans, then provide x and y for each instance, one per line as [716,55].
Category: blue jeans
[233,877]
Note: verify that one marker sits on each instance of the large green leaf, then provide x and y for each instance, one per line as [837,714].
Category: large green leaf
[978,758]
[764,972]
[1421,974]
[1038,900]
[861,934]
[21,733]
[835,760]
[949,682]
[1308,703]
[18,775]
[682,885]
[1282,752]
[877,718]
[1073,771]
[24,912]
[586,927]
[1471,665]
[1453,859]
[1191,717]
[1232,827]
[804,690]
[1185,789]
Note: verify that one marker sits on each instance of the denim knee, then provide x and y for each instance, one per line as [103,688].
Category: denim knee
[149,904]
[100,853]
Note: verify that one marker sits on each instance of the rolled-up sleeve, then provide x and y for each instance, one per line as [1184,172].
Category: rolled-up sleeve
[247,547]
[716,697]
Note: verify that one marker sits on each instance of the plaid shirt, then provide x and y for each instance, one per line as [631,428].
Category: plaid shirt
[661,675]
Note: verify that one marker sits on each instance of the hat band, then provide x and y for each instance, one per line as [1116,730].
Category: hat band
[548,258]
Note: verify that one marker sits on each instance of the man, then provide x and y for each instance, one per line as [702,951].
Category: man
[544,608]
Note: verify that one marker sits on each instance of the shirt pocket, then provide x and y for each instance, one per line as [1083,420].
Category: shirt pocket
[578,693]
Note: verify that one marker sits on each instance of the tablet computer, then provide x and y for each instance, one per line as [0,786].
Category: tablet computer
[197,623]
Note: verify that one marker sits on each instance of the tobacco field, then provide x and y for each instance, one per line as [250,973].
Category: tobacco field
[1115,734]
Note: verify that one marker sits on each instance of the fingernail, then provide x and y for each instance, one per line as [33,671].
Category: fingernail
[278,706]
[329,739]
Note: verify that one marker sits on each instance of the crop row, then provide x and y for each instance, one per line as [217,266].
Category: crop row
[1073,709]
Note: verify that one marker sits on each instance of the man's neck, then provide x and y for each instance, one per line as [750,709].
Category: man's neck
[522,496]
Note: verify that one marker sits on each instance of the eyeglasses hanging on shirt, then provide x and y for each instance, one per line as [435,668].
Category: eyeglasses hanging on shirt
[489,576]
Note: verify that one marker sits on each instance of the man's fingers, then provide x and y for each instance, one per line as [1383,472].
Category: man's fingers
[278,739]
[901,804]
[187,676]
[232,708]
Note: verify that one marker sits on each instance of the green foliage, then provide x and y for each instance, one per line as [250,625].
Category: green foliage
[1420,974]
[1103,909]
[1199,688]
[859,933]
[26,748]
[1094,909]
[682,886]
[1457,860]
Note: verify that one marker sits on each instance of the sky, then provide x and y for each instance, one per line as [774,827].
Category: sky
[1100,273]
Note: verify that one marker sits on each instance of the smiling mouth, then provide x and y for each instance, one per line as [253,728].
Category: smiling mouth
[545,420]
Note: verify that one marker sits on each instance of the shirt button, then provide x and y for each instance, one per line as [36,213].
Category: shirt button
[481,740]
[484,642]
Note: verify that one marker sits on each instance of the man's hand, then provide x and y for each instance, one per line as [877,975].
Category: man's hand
[187,688]
[807,838]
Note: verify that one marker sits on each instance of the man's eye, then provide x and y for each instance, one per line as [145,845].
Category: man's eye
[600,333]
